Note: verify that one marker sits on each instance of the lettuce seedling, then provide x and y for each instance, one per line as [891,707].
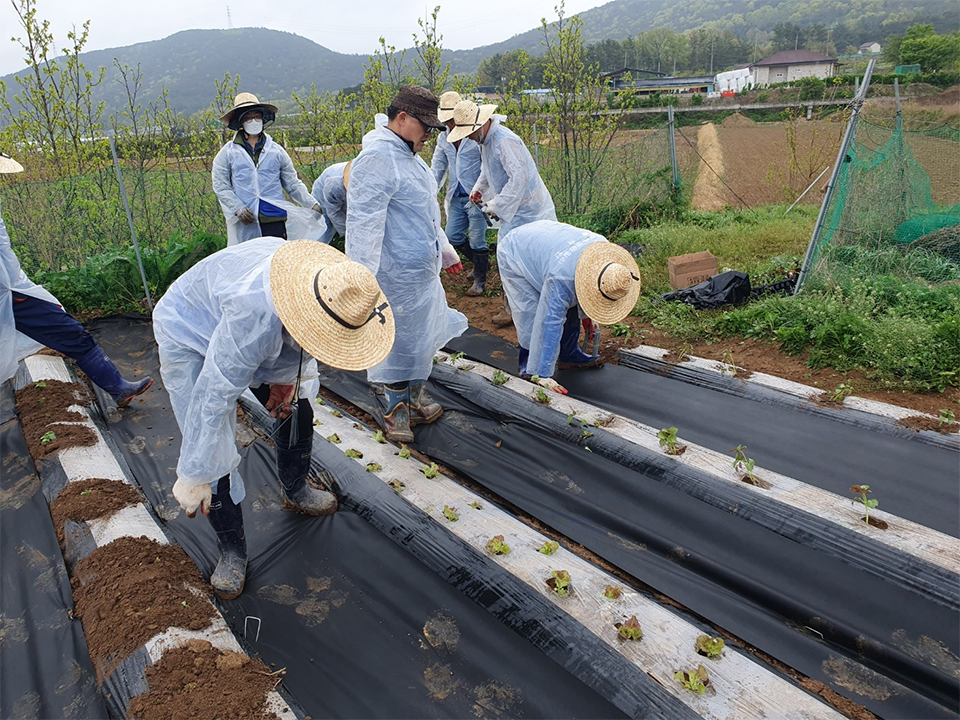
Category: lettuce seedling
[336,413]
[612,592]
[335,439]
[48,436]
[430,472]
[475,505]
[496,545]
[404,452]
[629,630]
[351,453]
[321,401]
[695,680]
[317,423]
[559,582]
[868,505]
[450,513]
[549,547]
[499,377]
[709,646]
[378,437]
[397,485]
[374,467]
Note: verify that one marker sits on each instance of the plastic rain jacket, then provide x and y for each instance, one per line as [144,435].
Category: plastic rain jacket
[219,334]
[509,181]
[393,228]
[538,264]
[329,191]
[14,346]
[238,183]
[458,164]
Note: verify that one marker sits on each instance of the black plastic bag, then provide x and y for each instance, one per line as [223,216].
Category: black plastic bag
[727,288]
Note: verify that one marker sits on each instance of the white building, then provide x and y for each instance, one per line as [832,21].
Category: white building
[869,47]
[735,80]
[791,65]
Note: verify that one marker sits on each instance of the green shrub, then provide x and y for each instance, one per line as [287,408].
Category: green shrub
[697,99]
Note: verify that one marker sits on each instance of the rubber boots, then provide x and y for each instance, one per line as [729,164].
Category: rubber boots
[101,370]
[481,260]
[503,316]
[467,252]
[422,411]
[293,465]
[571,356]
[226,517]
[396,418]
[522,358]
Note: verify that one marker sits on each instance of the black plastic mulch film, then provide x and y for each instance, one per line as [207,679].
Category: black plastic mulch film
[362,627]
[45,669]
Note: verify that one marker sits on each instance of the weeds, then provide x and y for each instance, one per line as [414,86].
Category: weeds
[868,503]
[621,329]
[946,417]
[840,392]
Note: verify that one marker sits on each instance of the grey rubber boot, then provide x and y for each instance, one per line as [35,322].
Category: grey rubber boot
[226,517]
[422,411]
[481,259]
[293,465]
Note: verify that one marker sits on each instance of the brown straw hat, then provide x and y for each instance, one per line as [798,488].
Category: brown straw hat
[469,118]
[447,102]
[8,164]
[346,173]
[245,101]
[607,282]
[331,305]
[419,102]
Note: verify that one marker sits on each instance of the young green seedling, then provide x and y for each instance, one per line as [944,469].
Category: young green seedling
[404,452]
[450,513]
[559,582]
[430,472]
[868,504]
[455,359]
[709,646]
[321,401]
[374,467]
[397,486]
[317,423]
[496,545]
[668,440]
[542,397]
[476,506]
[87,491]
[335,439]
[621,329]
[40,384]
[549,547]
[378,437]
[946,417]
[840,392]
[629,630]
[695,680]
[744,465]
[499,377]
[48,436]
[612,592]
[336,413]
[351,453]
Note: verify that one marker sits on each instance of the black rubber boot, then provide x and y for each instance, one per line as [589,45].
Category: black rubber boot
[481,260]
[226,517]
[293,465]
[465,250]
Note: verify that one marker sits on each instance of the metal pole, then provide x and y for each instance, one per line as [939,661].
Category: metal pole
[807,190]
[856,104]
[133,232]
[896,94]
[536,148]
[673,147]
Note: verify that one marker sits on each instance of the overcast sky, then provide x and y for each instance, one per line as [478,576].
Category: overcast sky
[348,27]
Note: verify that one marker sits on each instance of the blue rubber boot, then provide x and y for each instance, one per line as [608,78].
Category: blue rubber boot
[396,418]
[101,370]
[571,356]
[226,517]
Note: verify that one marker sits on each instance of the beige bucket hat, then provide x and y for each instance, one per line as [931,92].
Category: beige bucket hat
[447,103]
[331,305]
[469,117]
[607,282]
[8,164]
[243,101]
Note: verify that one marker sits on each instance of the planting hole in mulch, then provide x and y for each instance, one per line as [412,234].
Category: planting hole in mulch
[201,681]
[132,589]
[90,499]
[47,420]
[755,481]
[875,522]
[921,422]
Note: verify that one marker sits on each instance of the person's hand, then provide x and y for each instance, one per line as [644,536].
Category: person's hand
[317,209]
[279,401]
[589,329]
[455,269]
[450,259]
[551,384]
[491,213]
[246,215]
[475,196]
[192,497]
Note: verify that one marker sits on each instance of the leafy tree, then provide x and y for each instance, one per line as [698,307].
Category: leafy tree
[429,59]
[922,46]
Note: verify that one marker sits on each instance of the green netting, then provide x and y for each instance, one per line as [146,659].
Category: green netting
[895,208]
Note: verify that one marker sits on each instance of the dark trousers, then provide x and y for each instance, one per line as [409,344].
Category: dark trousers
[49,325]
[284,427]
[274,229]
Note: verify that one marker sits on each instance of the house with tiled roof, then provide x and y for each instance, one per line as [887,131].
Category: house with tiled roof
[791,65]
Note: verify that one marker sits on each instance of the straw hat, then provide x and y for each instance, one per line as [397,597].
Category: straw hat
[447,102]
[346,173]
[469,117]
[331,305]
[8,164]
[246,101]
[607,282]
[420,103]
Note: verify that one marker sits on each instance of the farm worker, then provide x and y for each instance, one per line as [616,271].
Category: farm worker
[460,162]
[393,228]
[31,318]
[250,174]
[330,190]
[509,185]
[256,316]
[554,275]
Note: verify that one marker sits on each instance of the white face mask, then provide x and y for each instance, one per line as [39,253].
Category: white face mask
[252,127]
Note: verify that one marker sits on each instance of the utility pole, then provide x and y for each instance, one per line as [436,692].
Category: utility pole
[229,20]
[714,40]
[796,44]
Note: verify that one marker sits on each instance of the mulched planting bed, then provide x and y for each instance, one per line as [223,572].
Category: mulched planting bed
[45,417]
[89,499]
[133,589]
[921,422]
[200,681]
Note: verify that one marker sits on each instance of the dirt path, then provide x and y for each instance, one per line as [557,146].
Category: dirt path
[708,190]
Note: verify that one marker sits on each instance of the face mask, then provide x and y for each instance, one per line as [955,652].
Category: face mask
[252,127]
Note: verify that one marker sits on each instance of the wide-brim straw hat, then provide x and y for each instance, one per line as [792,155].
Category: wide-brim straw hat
[607,282]
[420,103]
[8,164]
[346,173]
[448,102]
[243,101]
[332,306]
[469,117]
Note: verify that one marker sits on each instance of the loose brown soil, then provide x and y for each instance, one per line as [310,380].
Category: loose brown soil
[921,422]
[875,522]
[43,408]
[133,589]
[89,499]
[201,681]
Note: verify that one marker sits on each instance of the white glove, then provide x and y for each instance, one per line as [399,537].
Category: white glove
[448,256]
[246,215]
[490,210]
[551,384]
[317,209]
[192,497]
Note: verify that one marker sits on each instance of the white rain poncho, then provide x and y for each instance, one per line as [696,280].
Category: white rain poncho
[460,165]
[219,334]
[509,181]
[393,228]
[238,183]
[538,264]
[329,191]
[14,346]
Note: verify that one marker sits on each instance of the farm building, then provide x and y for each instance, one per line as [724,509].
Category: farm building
[790,65]
[869,47]
[622,80]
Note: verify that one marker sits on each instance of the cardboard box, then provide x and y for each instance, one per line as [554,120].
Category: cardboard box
[687,270]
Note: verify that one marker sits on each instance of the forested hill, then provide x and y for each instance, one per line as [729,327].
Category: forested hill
[273,64]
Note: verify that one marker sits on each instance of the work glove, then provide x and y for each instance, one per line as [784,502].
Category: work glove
[589,330]
[488,209]
[279,401]
[551,384]
[192,497]
[475,196]
[246,215]
[450,260]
